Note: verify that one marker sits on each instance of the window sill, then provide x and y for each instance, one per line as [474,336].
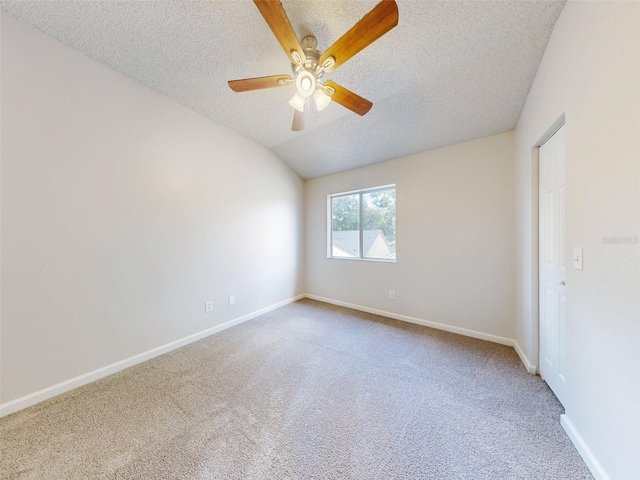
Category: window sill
[352,259]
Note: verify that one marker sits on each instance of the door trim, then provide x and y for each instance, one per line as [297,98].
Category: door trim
[552,265]
[534,345]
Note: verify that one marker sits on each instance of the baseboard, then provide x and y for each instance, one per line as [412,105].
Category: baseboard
[585,452]
[531,368]
[62,387]
[405,318]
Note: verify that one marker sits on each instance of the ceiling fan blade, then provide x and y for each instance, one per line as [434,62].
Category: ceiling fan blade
[278,21]
[373,25]
[257,83]
[348,99]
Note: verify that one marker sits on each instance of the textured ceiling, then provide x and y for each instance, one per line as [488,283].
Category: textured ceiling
[450,71]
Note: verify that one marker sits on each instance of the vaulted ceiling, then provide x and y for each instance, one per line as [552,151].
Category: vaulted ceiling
[451,71]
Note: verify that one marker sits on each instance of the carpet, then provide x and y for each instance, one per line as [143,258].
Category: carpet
[307,391]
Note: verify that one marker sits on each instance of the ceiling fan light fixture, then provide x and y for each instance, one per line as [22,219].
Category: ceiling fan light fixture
[306,83]
[321,99]
[297,102]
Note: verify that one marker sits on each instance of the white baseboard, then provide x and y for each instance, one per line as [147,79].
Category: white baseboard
[531,368]
[62,387]
[597,470]
[405,318]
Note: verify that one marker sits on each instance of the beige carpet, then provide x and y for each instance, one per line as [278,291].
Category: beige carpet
[308,391]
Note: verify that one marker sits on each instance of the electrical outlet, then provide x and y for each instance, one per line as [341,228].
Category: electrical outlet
[232,300]
[392,294]
[208,306]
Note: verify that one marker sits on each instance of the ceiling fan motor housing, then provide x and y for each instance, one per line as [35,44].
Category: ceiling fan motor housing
[309,46]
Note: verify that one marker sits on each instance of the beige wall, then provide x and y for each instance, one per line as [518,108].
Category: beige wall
[455,234]
[122,213]
[590,73]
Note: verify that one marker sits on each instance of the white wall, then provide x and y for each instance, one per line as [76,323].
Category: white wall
[122,212]
[455,234]
[591,74]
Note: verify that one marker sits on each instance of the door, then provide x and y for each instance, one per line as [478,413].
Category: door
[553,267]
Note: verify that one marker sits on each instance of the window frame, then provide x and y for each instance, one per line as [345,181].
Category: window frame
[360,193]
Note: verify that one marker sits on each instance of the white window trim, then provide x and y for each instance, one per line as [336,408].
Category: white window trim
[330,224]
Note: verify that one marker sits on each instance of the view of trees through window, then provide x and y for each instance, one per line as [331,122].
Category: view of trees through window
[364,220]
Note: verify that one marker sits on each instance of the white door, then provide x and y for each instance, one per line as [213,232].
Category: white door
[553,266]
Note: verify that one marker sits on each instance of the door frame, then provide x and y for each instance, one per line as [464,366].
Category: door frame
[535,238]
[553,272]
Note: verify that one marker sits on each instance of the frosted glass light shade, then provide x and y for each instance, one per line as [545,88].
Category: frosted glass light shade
[321,99]
[297,102]
[306,83]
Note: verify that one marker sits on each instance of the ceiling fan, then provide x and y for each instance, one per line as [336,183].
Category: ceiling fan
[309,65]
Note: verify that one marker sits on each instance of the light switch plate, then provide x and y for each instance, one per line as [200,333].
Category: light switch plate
[577,258]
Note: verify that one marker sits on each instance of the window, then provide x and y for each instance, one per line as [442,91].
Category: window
[363,224]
